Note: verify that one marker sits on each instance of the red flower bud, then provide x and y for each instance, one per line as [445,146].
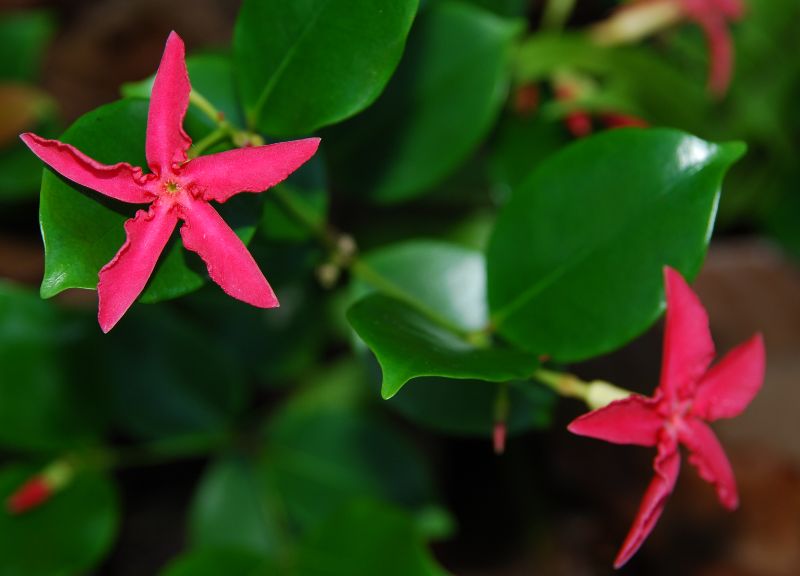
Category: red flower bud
[29,496]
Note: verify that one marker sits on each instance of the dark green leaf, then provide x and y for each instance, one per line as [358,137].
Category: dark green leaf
[466,407]
[409,344]
[520,145]
[442,102]
[69,534]
[575,260]
[366,539]
[50,399]
[169,377]
[231,510]
[216,562]
[318,458]
[304,65]
[83,230]
[23,40]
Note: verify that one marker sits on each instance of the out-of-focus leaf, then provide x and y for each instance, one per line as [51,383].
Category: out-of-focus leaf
[50,398]
[215,562]
[232,510]
[23,40]
[169,377]
[68,534]
[575,260]
[304,65]
[442,102]
[367,538]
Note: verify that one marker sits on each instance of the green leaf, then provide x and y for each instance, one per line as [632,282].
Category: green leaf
[520,145]
[50,398]
[231,510]
[212,76]
[68,534]
[317,458]
[304,65]
[466,407]
[438,108]
[169,377]
[83,230]
[409,344]
[443,280]
[214,562]
[367,538]
[575,262]
[23,40]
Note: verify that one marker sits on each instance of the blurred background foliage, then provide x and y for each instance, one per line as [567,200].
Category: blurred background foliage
[213,438]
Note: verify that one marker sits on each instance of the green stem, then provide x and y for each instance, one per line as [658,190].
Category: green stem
[206,107]
[156,453]
[218,135]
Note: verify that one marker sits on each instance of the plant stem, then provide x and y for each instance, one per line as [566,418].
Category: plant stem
[595,394]
[556,14]
[222,132]
[206,107]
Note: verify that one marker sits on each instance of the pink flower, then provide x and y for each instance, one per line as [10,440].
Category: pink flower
[689,395]
[713,16]
[177,189]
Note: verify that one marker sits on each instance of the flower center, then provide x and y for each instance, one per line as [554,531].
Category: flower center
[171,187]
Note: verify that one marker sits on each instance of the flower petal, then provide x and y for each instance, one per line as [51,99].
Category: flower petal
[688,348]
[167,142]
[720,47]
[706,454]
[633,420]
[119,181]
[733,382]
[229,263]
[124,278]
[220,176]
[667,465]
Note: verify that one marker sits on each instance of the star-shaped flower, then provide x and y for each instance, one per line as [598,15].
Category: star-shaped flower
[177,189]
[689,395]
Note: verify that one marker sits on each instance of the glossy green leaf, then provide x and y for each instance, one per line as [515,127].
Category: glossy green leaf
[169,377]
[438,108]
[23,40]
[232,510]
[83,230]
[317,458]
[466,407]
[306,64]
[575,262]
[216,562]
[443,280]
[69,534]
[211,76]
[367,538]
[50,398]
[409,344]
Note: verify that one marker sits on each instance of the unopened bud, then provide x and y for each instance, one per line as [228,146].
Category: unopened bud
[499,437]
[600,394]
[40,488]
